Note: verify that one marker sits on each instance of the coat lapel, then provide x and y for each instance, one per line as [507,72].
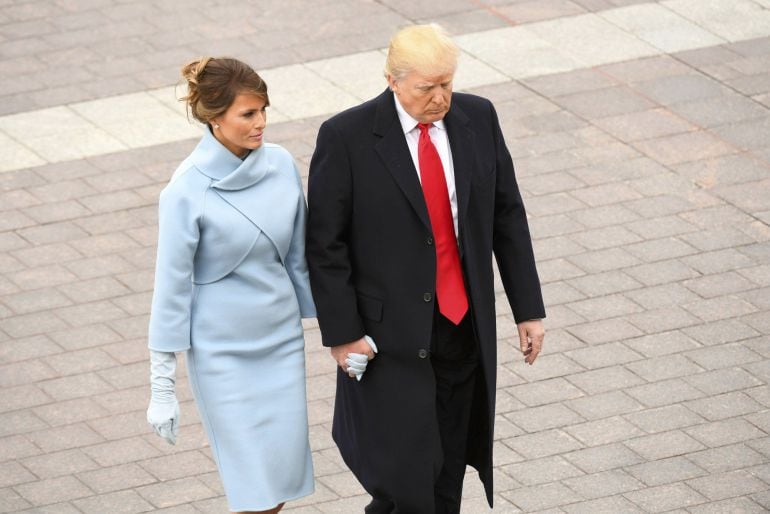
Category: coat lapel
[394,152]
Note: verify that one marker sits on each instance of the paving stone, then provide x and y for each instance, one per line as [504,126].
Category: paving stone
[723,381]
[541,497]
[743,505]
[665,444]
[118,502]
[53,490]
[666,471]
[535,419]
[608,505]
[605,379]
[721,433]
[605,331]
[604,307]
[665,497]
[720,332]
[662,368]
[604,405]
[727,485]
[653,297]
[600,356]
[602,458]
[603,431]
[605,284]
[661,272]
[542,444]
[605,483]
[724,406]
[722,356]
[727,458]
[70,411]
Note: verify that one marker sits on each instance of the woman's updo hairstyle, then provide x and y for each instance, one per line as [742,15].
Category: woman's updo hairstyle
[214,82]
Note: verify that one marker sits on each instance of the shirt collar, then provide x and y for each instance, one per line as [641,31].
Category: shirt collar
[408,123]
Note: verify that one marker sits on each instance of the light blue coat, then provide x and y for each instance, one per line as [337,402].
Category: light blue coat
[231,285]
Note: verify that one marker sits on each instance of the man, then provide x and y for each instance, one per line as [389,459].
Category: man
[409,195]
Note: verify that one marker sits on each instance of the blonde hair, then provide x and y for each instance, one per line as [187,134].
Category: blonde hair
[214,82]
[424,48]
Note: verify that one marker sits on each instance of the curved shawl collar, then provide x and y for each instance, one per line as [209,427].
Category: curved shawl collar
[271,207]
[225,168]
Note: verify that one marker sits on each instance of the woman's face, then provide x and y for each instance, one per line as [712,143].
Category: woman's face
[240,128]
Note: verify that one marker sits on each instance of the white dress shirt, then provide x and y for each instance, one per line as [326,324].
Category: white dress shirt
[438,135]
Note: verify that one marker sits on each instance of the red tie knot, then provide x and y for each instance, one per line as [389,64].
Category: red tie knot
[424,127]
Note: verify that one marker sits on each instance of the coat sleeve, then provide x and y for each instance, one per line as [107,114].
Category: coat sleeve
[330,199]
[296,264]
[178,236]
[511,242]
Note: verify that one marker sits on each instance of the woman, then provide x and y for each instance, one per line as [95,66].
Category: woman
[231,285]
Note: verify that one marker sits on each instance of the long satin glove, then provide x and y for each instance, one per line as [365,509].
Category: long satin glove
[357,361]
[163,412]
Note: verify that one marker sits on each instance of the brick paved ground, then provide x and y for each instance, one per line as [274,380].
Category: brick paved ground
[648,186]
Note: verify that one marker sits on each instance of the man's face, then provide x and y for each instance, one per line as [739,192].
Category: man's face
[425,97]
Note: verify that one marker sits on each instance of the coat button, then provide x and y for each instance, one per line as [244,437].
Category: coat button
[423,353]
[427,297]
[429,241]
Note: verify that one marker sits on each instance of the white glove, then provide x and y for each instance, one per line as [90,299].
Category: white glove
[357,361]
[163,412]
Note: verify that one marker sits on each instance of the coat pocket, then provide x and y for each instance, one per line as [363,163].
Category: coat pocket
[369,308]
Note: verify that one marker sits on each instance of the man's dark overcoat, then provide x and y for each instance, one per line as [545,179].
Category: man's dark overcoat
[372,266]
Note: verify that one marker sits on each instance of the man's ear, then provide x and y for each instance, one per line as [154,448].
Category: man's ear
[392,83]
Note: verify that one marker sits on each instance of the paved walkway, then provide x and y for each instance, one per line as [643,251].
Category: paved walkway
[641,135]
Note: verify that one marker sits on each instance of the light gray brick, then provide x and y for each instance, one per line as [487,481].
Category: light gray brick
[70,411]
[604,405]
[663,445]
[660,296]
[723,380]
[727,485]
[601,284]
[664,418]
[660,249]
[662,368]
[603,431]
[541,497]
[721,284]
[605,237]
[665,497]
[543,444]
[723,356]
[535,419]
[604,307]
[600,356]
[541,471]
[743,505]
[175,492]
[608,505]
[719,332]
[115,478]
[722,433]
[548,366]
[544,392]
[605,483]
[665,392]
[117,502]
[605,331]
[666,471]
[605,379]
[727,458]
[602,458]
[665,343]
[75,386]
[662,272]
[663,319]
[599,261]
[53,490]
[57,464]
[724,406]
[718,261]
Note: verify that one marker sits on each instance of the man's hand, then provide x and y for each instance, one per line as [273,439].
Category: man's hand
[531,334]
[340,353]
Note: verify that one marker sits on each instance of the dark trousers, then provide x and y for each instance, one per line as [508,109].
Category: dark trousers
[455,359]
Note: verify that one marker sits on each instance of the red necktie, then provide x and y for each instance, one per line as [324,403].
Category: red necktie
[450,289]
